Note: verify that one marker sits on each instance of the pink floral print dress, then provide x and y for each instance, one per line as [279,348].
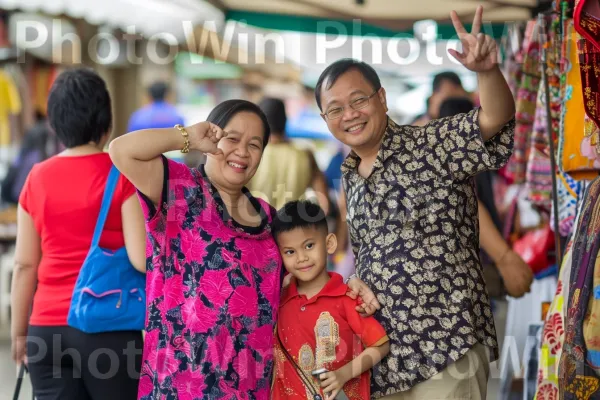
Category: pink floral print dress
[213,290]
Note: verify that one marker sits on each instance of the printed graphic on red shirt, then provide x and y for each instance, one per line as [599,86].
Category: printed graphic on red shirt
[325,331]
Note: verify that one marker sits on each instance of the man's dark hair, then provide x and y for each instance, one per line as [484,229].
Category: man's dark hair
[222,114]
[299,214]
[158,91]
[445,76]
[274,110]
[338,68]
[79,107]
[454,106]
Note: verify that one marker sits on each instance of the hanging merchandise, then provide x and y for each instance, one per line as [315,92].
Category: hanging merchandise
[577,377]
[10,104]
[554,325]
[525,103]
[571,163]
[569,191]
[577,147]
[511,44]
[587,24]
[4,42]
[554,334]
[539,169]
[587,21]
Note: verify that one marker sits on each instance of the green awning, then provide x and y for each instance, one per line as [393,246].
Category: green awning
[309,24]
[195,66]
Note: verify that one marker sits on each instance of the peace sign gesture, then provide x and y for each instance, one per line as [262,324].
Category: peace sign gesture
[480,52]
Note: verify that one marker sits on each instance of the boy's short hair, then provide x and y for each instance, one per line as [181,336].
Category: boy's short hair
[299,214]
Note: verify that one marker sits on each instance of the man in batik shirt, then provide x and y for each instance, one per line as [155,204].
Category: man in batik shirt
[412,216]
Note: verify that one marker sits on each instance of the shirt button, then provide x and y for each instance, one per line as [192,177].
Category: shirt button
[302,308]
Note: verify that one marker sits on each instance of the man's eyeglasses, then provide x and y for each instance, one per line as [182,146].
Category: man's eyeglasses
[355,104]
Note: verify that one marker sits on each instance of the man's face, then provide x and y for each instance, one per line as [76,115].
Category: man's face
[360,129]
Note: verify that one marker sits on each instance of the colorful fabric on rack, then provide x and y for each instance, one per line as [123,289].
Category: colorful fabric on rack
[587,24]
[539,167]
[554,334]
[591,325]
[590,145]
[577,378]
[525,104]
[577,155]
[587,20]
[539,171]
[568,190]
[10,104]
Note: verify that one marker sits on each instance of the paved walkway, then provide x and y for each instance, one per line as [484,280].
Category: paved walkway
[8,372]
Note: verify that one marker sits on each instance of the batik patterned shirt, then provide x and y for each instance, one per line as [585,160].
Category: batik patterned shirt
[213,295]
[415,236]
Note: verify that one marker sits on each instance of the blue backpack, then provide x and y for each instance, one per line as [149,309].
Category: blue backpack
[110,294]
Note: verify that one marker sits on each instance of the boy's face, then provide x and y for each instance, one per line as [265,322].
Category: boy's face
[304,251]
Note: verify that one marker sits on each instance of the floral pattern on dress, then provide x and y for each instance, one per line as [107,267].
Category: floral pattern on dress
[414,231]
[213,294]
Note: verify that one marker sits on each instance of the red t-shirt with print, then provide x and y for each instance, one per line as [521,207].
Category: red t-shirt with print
[324,331]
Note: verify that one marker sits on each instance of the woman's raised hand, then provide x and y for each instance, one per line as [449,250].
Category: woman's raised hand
[205,137]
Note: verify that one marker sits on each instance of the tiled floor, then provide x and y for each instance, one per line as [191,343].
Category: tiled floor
[8,371]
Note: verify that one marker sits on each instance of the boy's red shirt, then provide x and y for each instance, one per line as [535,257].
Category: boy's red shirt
[324,331]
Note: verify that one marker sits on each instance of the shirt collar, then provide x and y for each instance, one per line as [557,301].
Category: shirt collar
[335,287]
[391,135]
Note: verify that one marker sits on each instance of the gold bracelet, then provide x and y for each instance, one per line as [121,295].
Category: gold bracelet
[186,138]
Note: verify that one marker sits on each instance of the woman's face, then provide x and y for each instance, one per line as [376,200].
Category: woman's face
[242,150]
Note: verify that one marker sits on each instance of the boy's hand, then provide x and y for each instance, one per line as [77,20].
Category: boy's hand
[287,280]
[333,382]
[368,302]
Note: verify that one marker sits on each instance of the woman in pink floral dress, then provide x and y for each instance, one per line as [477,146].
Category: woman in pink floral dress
[213,268]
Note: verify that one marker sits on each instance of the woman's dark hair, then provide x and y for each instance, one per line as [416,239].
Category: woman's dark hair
[338,68]
[222,114]
[455,105]
[79,108]
[274,110]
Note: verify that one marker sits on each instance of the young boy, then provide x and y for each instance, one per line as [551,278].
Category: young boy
[323,345]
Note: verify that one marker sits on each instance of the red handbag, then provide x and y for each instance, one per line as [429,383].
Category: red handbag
[535,247]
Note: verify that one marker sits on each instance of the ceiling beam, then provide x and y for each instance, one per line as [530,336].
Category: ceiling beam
[396,24]
[218,4]
[468,17]
[393,24]
[501,3]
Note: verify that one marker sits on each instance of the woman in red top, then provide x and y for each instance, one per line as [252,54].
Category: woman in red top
[57,213]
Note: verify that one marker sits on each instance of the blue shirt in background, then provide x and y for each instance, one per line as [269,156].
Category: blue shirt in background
[155,115]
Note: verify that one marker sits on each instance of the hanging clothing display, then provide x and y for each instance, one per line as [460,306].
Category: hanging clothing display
[539,169]
[554,326]
[10,104]
[525,104]
[569,359]
[573,166]
[577,378]
[569,191]
[577,148]
[553,336]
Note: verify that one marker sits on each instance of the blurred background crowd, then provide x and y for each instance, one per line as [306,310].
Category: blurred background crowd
[171,62]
